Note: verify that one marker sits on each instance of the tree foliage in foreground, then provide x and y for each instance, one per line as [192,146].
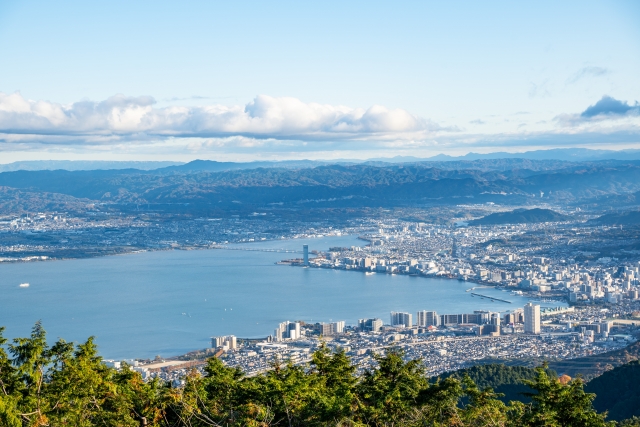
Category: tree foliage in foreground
[67,385]
[509,381]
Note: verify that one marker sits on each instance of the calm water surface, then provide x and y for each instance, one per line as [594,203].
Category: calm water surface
[169,303]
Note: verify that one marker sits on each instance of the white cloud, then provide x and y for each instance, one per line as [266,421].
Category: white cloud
[287,127]
[264,117]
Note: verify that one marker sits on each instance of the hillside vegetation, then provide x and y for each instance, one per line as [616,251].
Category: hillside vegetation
[209,186]
[509,381]
[618,391]
[521,216]
[67,385]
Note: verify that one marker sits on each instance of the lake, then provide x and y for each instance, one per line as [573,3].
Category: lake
[170,302]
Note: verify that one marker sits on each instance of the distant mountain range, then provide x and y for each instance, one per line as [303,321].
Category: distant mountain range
[204,187]
[196,189]
[563,154]
[534,160]
[75,165]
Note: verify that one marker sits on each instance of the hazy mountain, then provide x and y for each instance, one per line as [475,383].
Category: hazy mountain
[527,161]
[561,154]
[214,166]
[521,216]
[74,165]
[194,187]
[619,218]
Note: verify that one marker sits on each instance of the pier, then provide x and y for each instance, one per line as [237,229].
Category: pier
[491,298]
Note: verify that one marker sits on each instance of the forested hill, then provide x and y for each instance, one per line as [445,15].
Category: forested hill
[361,185]
[521,216]
[618,391]
[507,380]
[619,218]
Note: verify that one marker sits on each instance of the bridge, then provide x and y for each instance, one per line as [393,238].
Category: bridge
[284,251]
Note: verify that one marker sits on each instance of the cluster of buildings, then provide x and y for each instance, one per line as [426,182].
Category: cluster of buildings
[227,342]
[93,232]
[288,331]
[483,322]
[480,255]
[527,332]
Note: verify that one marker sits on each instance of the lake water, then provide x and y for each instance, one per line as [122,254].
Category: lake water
[168,303]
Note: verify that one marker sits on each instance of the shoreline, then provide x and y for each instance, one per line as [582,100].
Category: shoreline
[5,260]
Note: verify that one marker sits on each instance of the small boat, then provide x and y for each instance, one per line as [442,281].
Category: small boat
[24,285]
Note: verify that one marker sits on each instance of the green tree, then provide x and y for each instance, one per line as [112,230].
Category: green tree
[9,413]
[555,404]
[393,390]
[484,408]
[333,382]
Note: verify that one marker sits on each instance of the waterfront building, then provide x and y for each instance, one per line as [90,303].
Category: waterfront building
[531,318]
[370,325]
[228,342]
[516,316]
[287,330]
[476,318]
[305,254]
[426,318]
[401,319]
[331,328]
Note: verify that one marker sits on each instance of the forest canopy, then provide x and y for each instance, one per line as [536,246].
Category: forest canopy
[68,385]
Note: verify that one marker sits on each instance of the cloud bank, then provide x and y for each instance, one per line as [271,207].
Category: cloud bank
[264,117]
[289,127]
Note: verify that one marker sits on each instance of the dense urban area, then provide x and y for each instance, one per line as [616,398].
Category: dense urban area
[597,300]
[565,251]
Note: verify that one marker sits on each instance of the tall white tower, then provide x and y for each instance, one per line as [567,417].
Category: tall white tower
[531,319]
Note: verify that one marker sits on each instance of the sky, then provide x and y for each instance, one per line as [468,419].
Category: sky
[242,80]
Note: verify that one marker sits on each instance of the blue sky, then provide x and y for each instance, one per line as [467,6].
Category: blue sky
[274,80]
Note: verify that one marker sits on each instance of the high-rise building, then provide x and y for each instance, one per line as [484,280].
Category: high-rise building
[531,319]
[217,342]
[476,318]
[516,316]
[495,323]
[233,342]
[401,319]
[287,330]
[294,330]
[370,325]
[305,254]
[332,328]
[495,319]
[427,318]
[229,342]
